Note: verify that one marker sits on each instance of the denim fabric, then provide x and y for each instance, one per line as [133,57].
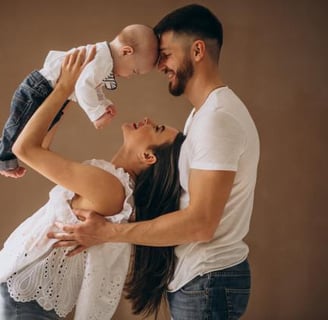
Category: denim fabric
[27,98]
[12,310]
[218,295]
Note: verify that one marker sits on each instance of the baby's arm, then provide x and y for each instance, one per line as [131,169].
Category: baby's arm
[89,89]
[106,118]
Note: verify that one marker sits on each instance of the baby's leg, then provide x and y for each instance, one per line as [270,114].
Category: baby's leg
[28,97]
[26,100]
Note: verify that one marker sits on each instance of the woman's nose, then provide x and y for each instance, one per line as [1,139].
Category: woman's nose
[148,121]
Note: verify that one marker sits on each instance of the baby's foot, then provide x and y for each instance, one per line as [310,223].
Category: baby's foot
[14,173]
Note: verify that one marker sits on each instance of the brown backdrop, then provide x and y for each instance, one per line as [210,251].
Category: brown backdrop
[274,56]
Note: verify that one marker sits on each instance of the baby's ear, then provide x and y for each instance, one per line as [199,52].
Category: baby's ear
[127,50]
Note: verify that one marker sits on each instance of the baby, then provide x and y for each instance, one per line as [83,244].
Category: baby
[133,51]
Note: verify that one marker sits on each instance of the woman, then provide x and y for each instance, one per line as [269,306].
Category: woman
[39,282]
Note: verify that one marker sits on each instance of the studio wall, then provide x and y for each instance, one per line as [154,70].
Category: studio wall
[274,57]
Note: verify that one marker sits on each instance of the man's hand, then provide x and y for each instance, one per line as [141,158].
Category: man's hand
[89,232]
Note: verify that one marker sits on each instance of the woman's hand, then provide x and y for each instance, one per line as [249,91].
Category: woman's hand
[92,230]
[71,68]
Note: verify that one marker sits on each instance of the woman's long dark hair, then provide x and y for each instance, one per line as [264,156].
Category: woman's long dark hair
[157,191]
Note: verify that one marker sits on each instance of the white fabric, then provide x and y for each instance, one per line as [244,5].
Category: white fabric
[89,87]
[92,280]
[220,136]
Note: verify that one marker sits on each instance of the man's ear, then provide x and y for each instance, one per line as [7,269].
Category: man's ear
[148,158]
[126,50]
[198,49]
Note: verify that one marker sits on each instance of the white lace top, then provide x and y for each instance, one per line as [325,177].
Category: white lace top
[92,280]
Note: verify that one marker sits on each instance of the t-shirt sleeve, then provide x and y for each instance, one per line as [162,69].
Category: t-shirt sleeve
[88,88]
[218,142]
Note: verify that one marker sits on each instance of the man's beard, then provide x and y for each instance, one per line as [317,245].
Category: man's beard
[183,74]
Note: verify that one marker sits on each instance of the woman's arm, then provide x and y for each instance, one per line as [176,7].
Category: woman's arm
[87,181]
[47,141]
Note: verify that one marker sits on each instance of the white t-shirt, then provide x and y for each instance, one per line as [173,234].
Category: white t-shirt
[220,136]
[89,87]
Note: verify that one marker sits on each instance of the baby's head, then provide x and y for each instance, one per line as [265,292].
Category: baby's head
[134,50]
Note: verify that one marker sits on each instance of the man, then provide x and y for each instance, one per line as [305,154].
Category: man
[218,166]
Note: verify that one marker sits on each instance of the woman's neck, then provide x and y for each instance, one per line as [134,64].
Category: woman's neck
[125,160]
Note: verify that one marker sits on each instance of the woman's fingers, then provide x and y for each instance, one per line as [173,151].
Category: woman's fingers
[66,60]
[72,66]
[80,57]
[77,59]
[90,56]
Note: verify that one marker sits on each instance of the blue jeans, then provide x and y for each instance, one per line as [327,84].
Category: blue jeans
[27,98]
[218,295]
[12,310]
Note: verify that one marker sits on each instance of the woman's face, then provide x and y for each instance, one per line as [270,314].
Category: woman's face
[147,133]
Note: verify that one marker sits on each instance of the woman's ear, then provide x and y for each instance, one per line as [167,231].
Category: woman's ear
[148,158]
[198,50]
[126,50]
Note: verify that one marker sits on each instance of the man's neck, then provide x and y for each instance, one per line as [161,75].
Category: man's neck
[201,85]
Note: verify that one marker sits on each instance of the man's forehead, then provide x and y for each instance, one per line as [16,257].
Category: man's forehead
[172,40]
[165,40]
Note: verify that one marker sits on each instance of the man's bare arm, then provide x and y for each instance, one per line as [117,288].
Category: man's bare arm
[209,191]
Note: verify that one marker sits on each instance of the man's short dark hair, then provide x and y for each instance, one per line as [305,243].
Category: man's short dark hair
[193,20]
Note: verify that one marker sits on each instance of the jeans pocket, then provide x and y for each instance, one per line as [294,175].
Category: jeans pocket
[196,286]
[237,301]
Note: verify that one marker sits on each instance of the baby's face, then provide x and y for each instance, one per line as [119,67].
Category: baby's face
[135,64]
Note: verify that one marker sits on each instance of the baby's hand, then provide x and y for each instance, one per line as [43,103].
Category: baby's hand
[106,118]
[14,173]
